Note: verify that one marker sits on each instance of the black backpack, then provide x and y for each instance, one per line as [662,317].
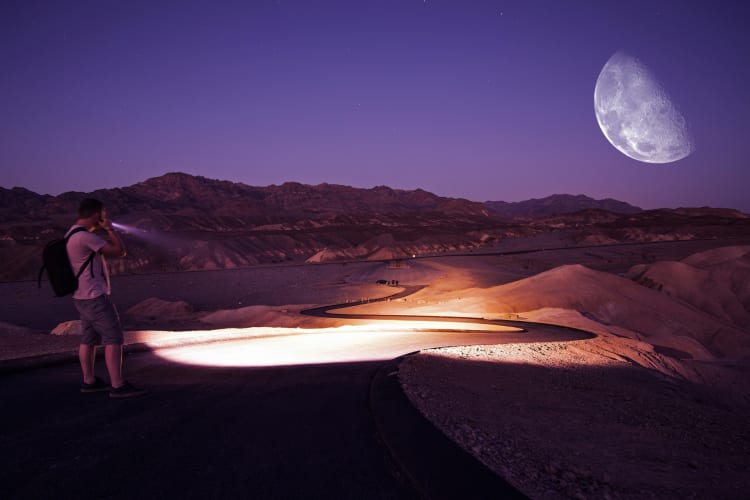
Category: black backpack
[59,270]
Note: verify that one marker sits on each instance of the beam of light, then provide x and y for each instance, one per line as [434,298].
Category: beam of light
[152,237]
[361,343]
[124,227]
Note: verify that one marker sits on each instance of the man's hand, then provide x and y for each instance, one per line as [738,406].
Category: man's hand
[114,247]
[105,222]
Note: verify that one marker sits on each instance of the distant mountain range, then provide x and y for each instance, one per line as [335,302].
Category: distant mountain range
[558,204]
[179,193]
[186,222]
[183,193]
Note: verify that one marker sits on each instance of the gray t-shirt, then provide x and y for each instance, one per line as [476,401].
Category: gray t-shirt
[80,246]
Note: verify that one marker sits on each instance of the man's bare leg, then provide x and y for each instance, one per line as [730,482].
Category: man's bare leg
[87,357]
[113,359]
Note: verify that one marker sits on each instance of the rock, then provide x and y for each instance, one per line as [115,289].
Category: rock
[68,328]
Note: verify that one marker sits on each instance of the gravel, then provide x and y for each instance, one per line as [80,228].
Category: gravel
[564,420]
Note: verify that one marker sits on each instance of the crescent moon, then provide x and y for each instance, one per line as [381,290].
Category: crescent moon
[636,115]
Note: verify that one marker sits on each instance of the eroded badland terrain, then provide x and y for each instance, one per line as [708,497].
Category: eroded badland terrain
[656,405]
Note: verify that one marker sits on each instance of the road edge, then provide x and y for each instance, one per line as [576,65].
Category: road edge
[434,465]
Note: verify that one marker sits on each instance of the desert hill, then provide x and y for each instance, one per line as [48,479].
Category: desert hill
[678,317]
[716,282]
[653,316]
[183,222]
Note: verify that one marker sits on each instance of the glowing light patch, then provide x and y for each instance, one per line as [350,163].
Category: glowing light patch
[333,345]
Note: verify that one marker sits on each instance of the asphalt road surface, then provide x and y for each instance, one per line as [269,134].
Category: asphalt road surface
[300,427]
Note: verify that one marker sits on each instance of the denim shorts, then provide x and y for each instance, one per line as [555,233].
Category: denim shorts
[100,323]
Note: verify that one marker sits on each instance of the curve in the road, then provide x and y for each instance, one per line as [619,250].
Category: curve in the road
[555,332]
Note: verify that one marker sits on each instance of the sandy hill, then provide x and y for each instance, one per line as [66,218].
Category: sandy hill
[650,315]
[716,282]
[694,309]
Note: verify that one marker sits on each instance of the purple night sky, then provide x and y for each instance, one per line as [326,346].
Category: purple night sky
[485,100]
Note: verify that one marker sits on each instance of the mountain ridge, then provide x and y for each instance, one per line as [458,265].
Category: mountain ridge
[558,204]
[182,222]
[175,187]
[211,194]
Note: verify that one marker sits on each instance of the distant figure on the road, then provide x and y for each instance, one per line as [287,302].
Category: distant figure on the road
[100,323]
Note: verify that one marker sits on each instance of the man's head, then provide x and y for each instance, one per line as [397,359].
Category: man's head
[89,207]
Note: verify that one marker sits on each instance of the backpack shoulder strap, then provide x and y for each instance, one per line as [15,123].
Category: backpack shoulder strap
[88,261]
[90,257]
[39,278]
[74,231]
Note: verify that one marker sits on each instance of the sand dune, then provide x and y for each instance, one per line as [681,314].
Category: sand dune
[716,282]
[611,300]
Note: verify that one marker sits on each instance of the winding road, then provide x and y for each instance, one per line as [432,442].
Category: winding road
[286,426]
[530,331]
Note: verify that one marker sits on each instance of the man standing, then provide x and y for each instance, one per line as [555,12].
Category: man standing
[100,323]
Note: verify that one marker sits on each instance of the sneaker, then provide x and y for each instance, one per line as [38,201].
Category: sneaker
[126,391]
[98,385]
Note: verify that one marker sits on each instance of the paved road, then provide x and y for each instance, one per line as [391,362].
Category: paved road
[300,428]
[203,432]
[529,331]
